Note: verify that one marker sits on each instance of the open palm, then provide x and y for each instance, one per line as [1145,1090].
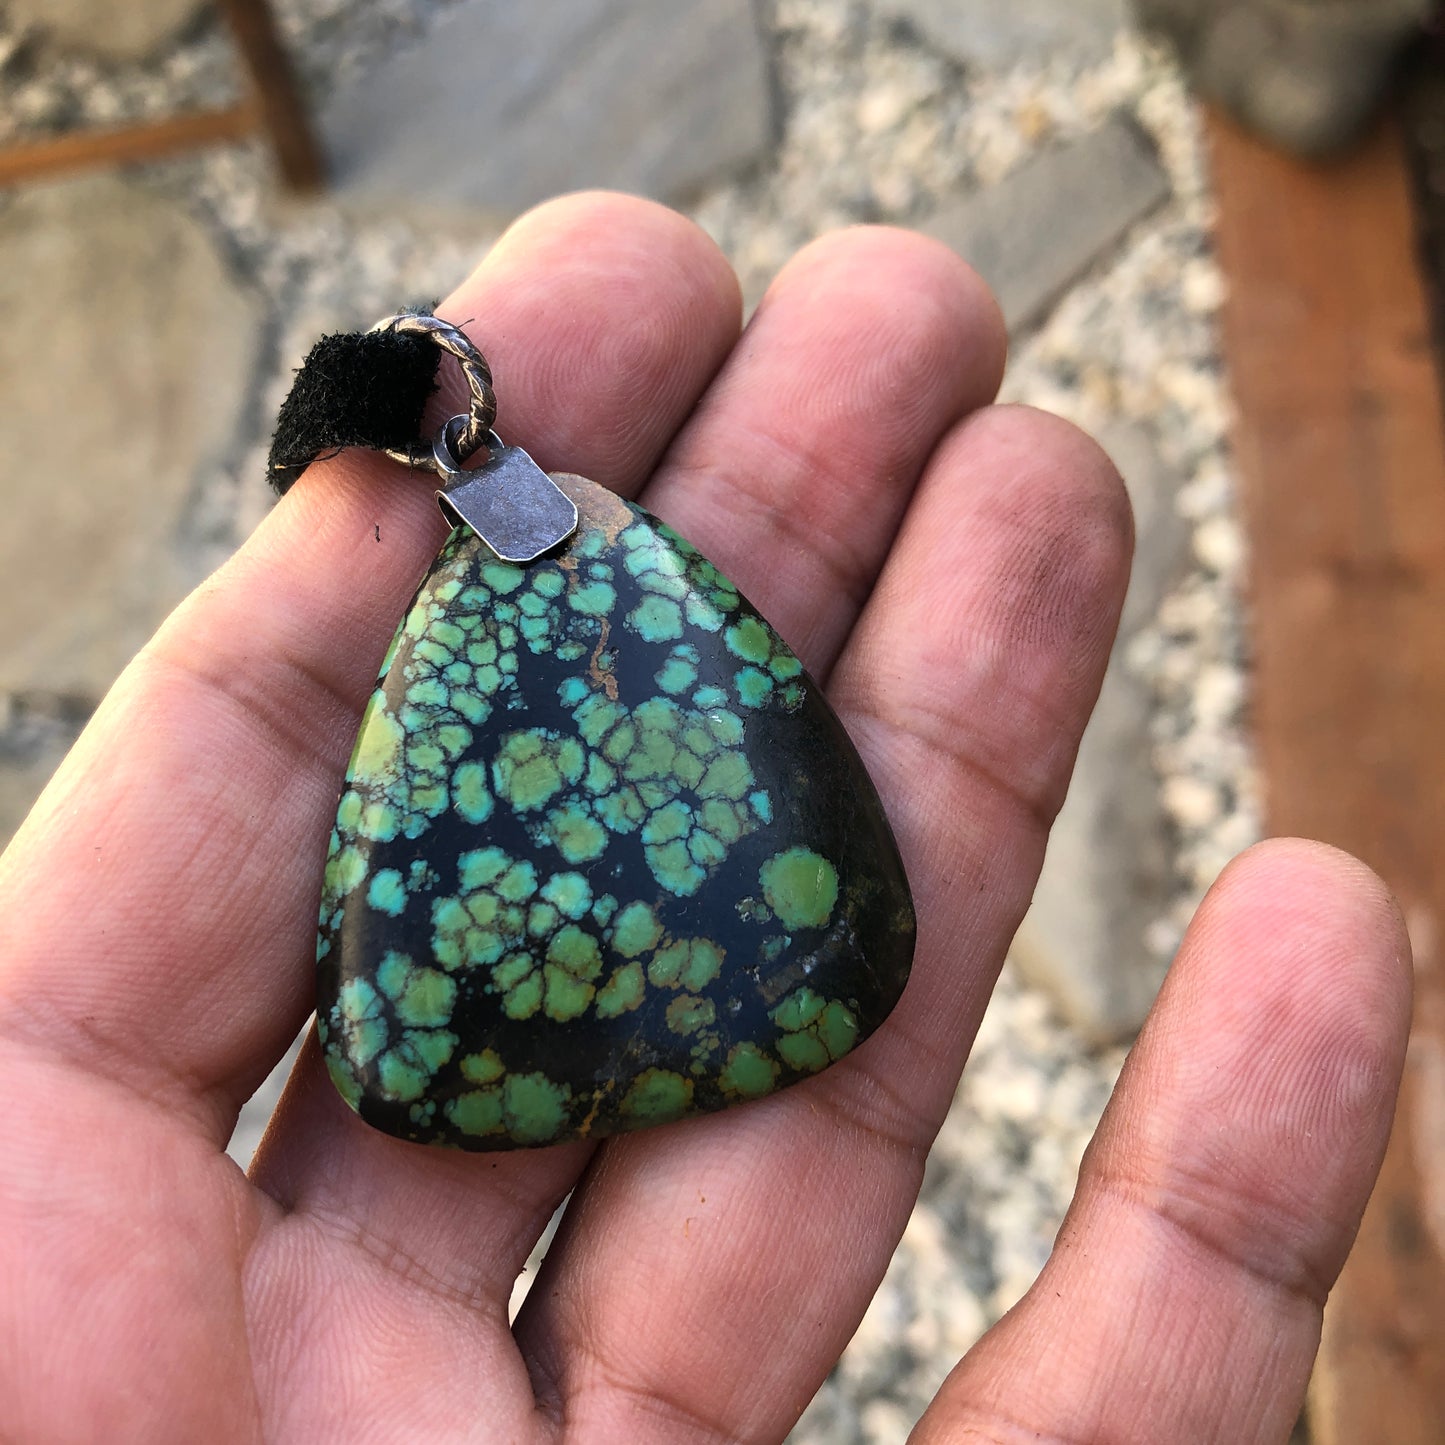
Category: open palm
[952,572]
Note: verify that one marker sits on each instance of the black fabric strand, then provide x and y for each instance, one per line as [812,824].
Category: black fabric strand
[365,389]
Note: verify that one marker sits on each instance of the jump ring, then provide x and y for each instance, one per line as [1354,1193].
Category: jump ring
[478,420]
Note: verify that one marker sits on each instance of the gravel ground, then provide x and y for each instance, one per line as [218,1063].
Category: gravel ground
[877,127]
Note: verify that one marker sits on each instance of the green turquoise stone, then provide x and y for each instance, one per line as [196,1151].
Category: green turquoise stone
[604,857]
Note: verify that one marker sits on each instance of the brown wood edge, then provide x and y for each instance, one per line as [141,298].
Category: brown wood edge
[1340,452]
[278,96]
[81,150]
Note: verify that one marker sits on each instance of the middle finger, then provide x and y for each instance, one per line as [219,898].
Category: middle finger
[796,470]
[765,1231]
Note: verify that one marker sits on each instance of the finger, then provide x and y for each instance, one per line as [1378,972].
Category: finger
[169,877]
[1223,1190]
[797,469]
[765,1231]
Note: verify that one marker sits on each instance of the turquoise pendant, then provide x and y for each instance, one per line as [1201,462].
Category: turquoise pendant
[605,857]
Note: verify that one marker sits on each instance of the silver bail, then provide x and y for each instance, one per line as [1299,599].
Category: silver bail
[508,501]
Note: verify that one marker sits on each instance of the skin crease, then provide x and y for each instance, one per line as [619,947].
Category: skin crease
[953,571]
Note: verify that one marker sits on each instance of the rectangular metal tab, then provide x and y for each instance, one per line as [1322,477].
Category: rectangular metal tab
[512,505]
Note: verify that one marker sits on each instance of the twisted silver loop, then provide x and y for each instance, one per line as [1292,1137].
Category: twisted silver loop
[468,430]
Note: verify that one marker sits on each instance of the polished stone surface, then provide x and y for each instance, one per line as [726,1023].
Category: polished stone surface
[605,857]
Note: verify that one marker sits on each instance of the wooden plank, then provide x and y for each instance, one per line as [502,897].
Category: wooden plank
[78,150]
[279,100]
[1341,456]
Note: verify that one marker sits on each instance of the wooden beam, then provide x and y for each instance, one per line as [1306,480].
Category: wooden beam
[78,150]
[277,96]
[1341,457]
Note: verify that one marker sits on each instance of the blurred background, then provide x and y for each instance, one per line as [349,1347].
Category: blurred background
[191,193]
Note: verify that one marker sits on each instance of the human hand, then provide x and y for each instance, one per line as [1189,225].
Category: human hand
[953,573]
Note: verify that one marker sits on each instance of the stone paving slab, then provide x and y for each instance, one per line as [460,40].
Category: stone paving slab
[116,29]
[1042,227]
[1107,875]
[502,105]
[1308,77]
[32,744]
[995,34]
[22,779]
[127,353]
